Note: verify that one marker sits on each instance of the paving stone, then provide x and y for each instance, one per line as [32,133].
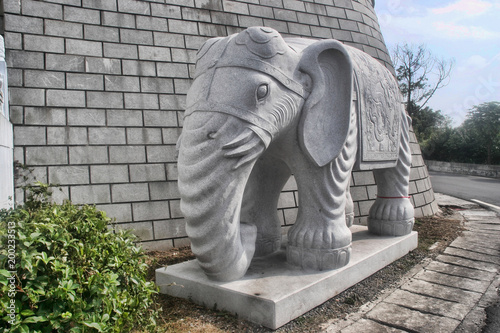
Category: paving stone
[461,296]
[371,326]
[405,318]
[453,281]
[472,255]
[428,304]
[451,269]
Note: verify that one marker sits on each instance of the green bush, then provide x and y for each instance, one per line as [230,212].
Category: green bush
[72,272]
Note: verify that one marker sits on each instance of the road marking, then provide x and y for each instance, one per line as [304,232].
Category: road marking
[486,205]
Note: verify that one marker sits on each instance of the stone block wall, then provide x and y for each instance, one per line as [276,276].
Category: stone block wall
[97,92]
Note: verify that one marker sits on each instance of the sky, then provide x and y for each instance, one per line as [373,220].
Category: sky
[467,31]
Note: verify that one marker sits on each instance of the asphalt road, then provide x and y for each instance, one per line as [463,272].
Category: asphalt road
[467,187]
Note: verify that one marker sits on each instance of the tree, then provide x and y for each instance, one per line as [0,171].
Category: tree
[483,125]
[419,74]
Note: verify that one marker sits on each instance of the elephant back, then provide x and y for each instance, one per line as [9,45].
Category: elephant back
[380,110]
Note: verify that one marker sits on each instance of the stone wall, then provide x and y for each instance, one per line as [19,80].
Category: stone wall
[6,139]
[98,91]
[483,170]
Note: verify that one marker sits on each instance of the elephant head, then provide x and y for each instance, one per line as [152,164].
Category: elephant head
[250,90]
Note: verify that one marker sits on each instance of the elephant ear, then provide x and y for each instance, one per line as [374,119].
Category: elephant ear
[326,115]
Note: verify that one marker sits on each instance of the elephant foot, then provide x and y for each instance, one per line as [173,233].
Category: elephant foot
[265,246]
[311,247]
[349,219]
[391,217]
[318,259]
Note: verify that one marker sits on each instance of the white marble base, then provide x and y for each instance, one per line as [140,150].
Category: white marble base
[272,292]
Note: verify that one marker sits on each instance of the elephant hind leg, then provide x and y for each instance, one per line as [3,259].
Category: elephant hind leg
[392,214]
[349,208]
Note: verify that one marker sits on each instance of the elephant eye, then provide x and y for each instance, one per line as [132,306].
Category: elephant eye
[262,91]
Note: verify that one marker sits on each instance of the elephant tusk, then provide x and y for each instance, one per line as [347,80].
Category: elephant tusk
[241,139]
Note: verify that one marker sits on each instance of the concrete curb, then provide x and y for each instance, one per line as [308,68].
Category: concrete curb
[447,294]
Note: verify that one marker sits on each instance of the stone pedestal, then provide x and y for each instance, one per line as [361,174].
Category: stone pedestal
[273,293]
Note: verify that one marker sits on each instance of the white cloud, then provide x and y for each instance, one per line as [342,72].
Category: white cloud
[468,7]
[455,31]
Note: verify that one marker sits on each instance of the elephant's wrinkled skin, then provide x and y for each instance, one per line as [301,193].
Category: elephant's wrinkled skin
[261,108]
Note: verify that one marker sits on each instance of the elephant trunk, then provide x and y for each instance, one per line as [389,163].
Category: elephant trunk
[216,156]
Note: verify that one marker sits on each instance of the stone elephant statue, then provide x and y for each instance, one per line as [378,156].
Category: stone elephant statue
[261,108]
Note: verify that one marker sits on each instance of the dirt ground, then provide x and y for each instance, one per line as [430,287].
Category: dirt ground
[179,315]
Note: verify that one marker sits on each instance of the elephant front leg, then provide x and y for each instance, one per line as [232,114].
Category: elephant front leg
[392,214]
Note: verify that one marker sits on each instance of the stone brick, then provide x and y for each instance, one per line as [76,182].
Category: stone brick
[182,85]
[344,36]
[29,135]
[44,79]
[179,26]
[83,47]
[180,242]
[147,173]
[106,136]
[171,135]
[286,200]
[151,23]
[144,136]
[130,192]
[90,194]
[16,115]
[124,118]
[160,118]
[133,6]
[67,136]
[99,4]
[261,11]
[12,7]
[250,21]
[44,116]
[348,25]
[364,207]
[143,230]
[107,100]
[175,209]
[22,59]
[195,14]
[207,4]
[141,101]
[154,53]
[119,212]
[41,9]
[160,154]
[164,190]
[363,178]
[132,36]
[121,83]
[158,85]
[127,154]
[336,12]
[139,68]
[299,29]
[121,51]
[100,174]
[353,15]
[295,5]
[43,44]
[168,39]
[69,175]
[99,33]
[65,98]
[88,155]
[25,24]
[321,32]
[279,26]
[359,193]
[183,55]
[224,18]
[13,41]
[359,38]
[153,210]
[172,171]
[63,29]
[309,19]
[290,215]
[118,20]
[167,11]
[170,228]
[235,7]
[46,155]
[86,117]
[82,15]
[272,3]
[66,63]
[26,96]
[172,102]
[418,199]
[330,22]
[285,15]
[85,81]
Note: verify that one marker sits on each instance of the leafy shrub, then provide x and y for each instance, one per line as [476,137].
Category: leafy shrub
[72,272]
